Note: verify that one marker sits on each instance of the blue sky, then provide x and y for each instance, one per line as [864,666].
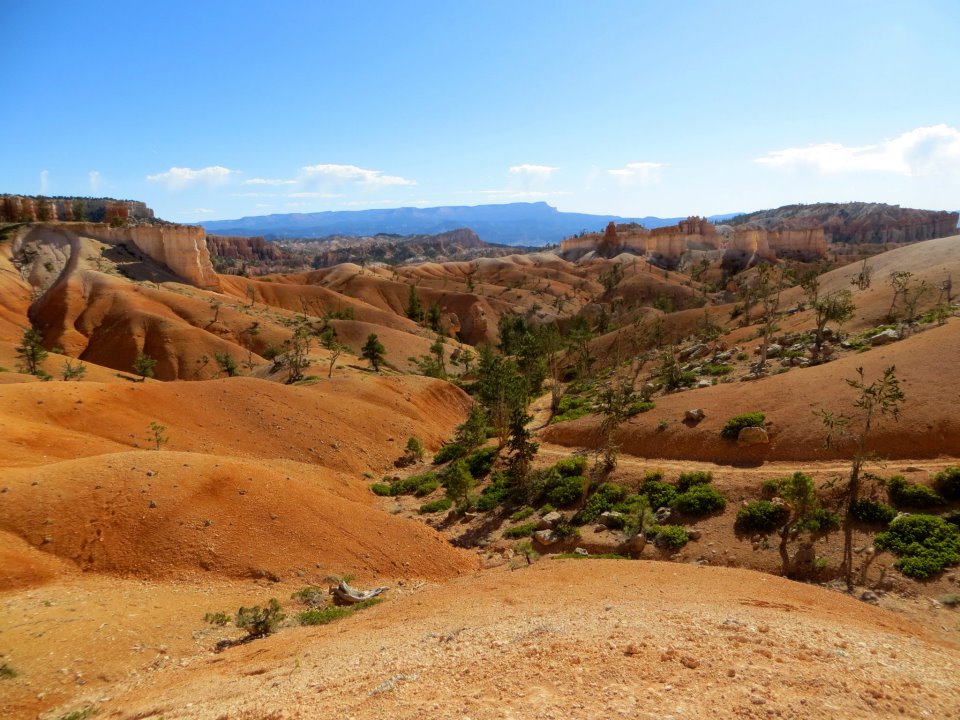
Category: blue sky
[210,110]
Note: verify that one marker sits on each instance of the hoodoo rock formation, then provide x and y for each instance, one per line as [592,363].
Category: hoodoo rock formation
[857,222]
[667,245]
[20,208]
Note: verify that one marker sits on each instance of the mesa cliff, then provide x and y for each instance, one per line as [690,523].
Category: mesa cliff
[667,245]
[37,208]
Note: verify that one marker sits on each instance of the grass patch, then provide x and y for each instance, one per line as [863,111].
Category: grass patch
[324,616]
[734,425]
[522,514]
[435,506]
[520,531]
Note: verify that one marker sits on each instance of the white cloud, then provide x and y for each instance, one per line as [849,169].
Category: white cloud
[44,181]
[540,172]
[177,178]
[923,151]
[637,172]
[354,174]
[513,194]
[314,195]
[94,177]
[198,211]
[269,181]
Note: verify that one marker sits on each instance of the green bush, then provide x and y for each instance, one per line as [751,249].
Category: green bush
[695,477]
[947,483]
[525,530]
[769,489]
[326,615]
[673,537]
[522,514]
[659,494]
[716,369]
[699,500]
[640,406]
[479,462]
[603,499]
[566,490]
[872,512]
[924,544]
[381,489]
[904,493]
[495,493]
[571,466]
[259,621]
[419,485]
[953,518]
[312,595]
[822,521]
[450,451]
[732,427]
[760,516]
[571,407]
[435,506]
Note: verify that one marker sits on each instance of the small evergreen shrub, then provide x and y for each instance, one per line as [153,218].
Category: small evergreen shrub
[947,483]
[716,370]
[760,516]
[603,499]
[522,514]
[259,621]
[640,406]
[323,616]
[953,518]
[566,490]
[450,451]
[769,489]
[695,477]
[312,595]
[872,512]
[659,494]
[571,407]
[822,521]
[672,537]
[520,531]
[732,427]
[381,489]
[924,544]
[435,506]
[904,493]
[479,462]
[419,485]
[495,493]
[699,500]
[571,466]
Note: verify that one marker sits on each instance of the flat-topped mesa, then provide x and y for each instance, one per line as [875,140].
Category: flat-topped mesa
[667,245]
[37,208]
[182,248]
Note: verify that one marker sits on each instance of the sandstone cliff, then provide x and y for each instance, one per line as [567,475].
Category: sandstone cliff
[856,222]
[21,208]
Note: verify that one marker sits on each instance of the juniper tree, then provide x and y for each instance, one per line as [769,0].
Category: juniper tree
[143,365]
[880,399]
[31,352]
[373,351]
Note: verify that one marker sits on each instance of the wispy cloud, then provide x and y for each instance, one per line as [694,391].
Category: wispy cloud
[314,195]
[641,172]
[514,194]
[94,179]
[178,178]
[44,181]
[274,182]
[354,174]
[198,211]
[923,151]
[540,172]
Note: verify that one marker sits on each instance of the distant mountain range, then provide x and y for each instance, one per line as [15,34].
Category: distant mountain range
[531,224]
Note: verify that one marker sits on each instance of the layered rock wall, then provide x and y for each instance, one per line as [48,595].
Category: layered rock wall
[27,208]
[182,248]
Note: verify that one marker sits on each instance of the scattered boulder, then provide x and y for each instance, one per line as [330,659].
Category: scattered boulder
[546,537]
[581,551]
[752,436]
[662,515]
[692,353]
[549,520]
[774,350]
[636,544]
[612,519]
[869,597]
[694,416]
[704,384]
[885,337]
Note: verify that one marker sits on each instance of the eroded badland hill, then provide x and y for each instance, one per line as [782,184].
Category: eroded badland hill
[578,529]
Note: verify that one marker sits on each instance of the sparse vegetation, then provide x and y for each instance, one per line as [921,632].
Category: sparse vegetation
[947,483]
[872,512]
[435,506]
[259,621]
[903,493]
[143,365]
[519,531]
[158,434]
[733,426]
[699,500]
[925,545]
